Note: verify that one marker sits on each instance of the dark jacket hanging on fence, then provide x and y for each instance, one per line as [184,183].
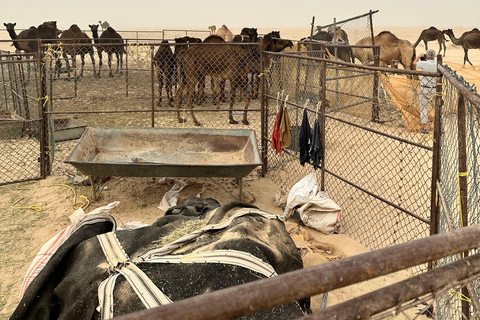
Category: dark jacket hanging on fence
[316,152]
[305,139]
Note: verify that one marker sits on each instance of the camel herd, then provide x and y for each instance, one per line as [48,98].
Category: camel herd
[188,65]
[109,41]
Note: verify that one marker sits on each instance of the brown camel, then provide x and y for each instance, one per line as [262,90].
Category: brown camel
[251,33]
[391,49]
[468,40]
[164,62]
[47,31]
[108,42]
[26,46]
[432,34]
[75,36]
[224,32]
[221,62]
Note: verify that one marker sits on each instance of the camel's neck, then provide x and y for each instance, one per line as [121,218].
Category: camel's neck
[13,35]
[454,40]
[95,36]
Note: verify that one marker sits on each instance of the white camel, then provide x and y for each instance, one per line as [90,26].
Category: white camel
[104,25]
[223,32]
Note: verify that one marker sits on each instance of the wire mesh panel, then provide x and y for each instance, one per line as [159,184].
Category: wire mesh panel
[157,85]
[19,119]
[378,172]
[450,303]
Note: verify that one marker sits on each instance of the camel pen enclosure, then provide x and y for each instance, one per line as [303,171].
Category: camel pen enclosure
[383,175]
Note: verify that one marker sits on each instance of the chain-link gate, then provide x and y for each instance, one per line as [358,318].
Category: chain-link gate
[459,192]
[20,125]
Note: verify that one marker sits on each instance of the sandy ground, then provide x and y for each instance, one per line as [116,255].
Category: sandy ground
[23,231]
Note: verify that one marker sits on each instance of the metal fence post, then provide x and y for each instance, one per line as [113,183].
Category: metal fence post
[43,108]
[323,131]
[462,185]
[263,113]
[152,78]
[375,106]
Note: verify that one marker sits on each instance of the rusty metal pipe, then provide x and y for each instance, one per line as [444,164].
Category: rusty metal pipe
[267,293]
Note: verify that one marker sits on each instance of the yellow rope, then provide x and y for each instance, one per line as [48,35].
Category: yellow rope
[460,174]
[76,204]
[265,72]
[459,296]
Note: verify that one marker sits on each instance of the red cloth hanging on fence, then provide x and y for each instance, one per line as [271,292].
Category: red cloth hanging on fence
[276,139]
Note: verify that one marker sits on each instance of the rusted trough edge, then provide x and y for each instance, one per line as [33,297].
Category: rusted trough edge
[267,293]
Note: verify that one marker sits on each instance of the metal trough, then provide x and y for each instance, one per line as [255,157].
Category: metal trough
[157,152]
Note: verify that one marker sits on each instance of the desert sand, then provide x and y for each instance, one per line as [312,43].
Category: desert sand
[23,231]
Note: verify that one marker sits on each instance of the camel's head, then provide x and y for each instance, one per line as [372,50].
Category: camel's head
[212,29]
[93,27]
[448,32]
[10,26]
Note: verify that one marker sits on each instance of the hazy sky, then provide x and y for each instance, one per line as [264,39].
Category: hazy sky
[188,14]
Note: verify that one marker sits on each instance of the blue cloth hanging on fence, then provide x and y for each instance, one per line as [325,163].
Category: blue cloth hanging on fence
[316,152]
[305,139]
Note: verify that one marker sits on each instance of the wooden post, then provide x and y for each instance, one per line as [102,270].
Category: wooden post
[462,184]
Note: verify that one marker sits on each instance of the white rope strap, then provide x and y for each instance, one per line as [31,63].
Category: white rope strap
[169,248]
[232,257]
[105,297]
[119,263]
[145,289]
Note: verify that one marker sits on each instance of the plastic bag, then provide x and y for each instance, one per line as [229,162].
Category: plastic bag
[170,198]
[321,213]
[303,191]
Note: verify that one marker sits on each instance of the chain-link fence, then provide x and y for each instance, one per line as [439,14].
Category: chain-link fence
[156,86]
[375,163]
[19,119]
[378,171]
[459,193]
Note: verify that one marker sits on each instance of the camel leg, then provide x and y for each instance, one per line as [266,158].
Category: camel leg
[65,57]
[92,57]
[168,85]
[121,62]
[178,101]
[191,82]
[465,58]
[110,64]
[222,90]
[217,91]
[234,85]
[248,97]
[82,57]
[160,86]
[99,63]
